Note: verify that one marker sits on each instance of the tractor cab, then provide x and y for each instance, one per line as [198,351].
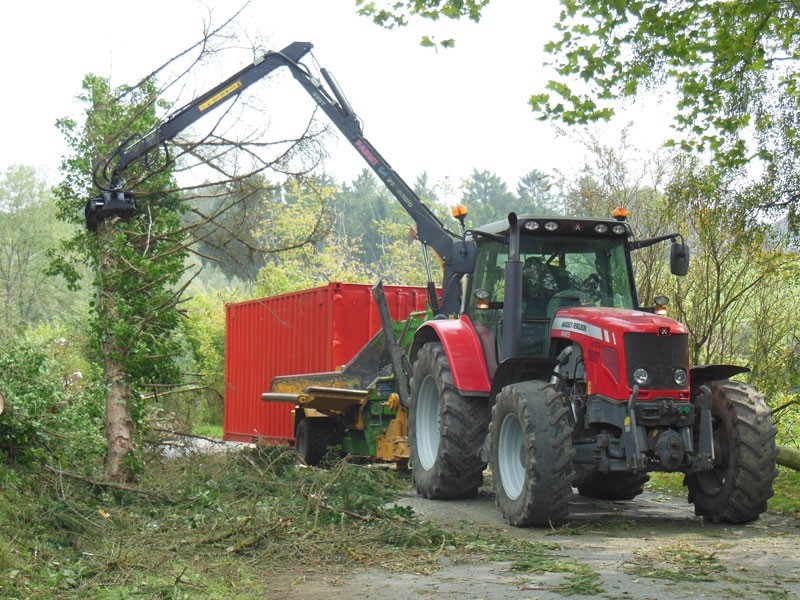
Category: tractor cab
[564,263]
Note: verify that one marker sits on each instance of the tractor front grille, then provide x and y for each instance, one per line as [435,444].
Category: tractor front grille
[660,355]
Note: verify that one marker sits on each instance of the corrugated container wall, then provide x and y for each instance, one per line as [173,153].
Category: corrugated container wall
[310,331]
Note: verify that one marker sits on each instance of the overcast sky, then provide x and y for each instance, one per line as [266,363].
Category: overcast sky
[446,112]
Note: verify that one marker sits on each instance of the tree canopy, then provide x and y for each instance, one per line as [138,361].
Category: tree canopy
[730,65]
[728,68]
[389,14]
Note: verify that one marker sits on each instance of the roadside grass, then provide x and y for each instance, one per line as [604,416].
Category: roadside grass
[209,431]
[786,500]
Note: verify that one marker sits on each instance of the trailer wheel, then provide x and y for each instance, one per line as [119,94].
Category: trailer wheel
[531,454]
[610,486]
[445,430]
[312,439]
[736,490]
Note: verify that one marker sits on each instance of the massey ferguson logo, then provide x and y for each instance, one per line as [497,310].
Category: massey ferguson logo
[567,327]
[574,325]
[663,331]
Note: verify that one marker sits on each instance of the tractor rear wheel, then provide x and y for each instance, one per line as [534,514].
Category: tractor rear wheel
[531,454]
[736,490]
[445,430]
[610,486]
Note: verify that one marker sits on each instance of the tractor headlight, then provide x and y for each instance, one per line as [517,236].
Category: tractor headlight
[531,225]
[641,376]
[680,376]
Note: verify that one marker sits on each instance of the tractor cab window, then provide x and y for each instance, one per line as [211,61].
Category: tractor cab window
[558,271]
[570,271]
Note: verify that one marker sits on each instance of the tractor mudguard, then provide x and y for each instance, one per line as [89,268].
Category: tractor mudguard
[528,368]
[700,374]
[462,347]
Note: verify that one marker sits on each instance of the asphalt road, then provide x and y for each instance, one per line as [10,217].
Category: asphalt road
[650,547]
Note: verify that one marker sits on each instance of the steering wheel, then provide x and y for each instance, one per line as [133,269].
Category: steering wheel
[592,285]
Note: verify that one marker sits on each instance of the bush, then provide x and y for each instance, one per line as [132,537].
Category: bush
[48,409]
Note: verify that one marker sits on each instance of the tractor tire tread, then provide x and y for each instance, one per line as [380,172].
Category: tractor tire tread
[751,464]
[458,469]
[547,488]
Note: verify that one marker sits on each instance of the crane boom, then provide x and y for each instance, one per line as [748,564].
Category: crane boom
[457,255]
[200,106]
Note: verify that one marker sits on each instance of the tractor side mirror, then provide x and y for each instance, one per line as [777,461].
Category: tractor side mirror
[679,258]
[463,257]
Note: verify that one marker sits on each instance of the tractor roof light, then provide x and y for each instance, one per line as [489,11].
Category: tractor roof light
[619,229]
[459,211]
[551,226]
[620,213]
[601,228]
[531,225]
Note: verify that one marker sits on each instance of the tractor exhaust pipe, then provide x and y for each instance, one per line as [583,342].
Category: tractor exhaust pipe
[512,303]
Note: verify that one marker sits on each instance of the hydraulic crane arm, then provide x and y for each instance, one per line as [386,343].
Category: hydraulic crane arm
[133,150]
[430,229]
[458,255]
[114,201]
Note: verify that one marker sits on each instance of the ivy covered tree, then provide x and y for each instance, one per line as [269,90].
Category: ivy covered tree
[136,265]
[140,265]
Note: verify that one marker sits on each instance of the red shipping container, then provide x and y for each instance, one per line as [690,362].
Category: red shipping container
[310,331]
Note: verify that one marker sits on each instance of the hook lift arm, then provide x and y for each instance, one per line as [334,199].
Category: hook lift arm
[456,253]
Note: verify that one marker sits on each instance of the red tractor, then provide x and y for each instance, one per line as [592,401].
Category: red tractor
[577,384]
[538,359]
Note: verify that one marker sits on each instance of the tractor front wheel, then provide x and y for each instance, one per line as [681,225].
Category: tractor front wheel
[445,430]
[737,488]
[531,454]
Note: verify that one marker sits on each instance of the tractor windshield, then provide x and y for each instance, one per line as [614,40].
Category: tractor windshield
[558,271]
